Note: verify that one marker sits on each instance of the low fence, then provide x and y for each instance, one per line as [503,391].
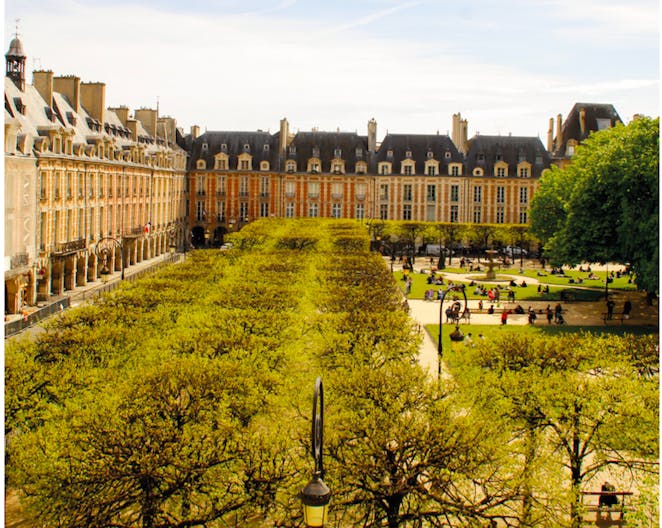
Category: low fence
[62,303]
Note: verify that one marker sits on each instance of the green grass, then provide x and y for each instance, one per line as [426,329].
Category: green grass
[529,293]
[490,331]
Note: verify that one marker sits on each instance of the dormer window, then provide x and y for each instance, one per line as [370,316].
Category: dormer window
[337,153]
[291,166]
[316,152]
[359,153]
[480,156]
[204,147]
[430,154]
[499,156]
[389,154]
[293,150]
[447,155]
[247,147]
[266,147]
[224,147]
[408,154]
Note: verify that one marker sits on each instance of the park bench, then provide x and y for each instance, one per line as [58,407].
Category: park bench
[609,512]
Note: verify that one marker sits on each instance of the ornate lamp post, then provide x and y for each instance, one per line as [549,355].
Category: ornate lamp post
[456,335]
[316,495]
[103,249]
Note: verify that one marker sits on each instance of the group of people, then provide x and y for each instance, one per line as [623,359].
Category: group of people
[627,308]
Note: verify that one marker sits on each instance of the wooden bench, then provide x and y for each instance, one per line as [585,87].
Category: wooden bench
[604,511]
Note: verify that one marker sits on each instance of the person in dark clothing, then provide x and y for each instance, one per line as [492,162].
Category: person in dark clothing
[627,308]
[607,500]
[610,309]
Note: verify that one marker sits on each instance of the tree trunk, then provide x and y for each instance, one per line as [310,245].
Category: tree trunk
[393,513]
[527,498]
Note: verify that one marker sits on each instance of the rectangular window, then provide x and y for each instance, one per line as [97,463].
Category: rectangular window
[56,185]
[290,189]
[359,190]
[432,170]
[432,193]
[406,212]
[264,186]
[501,172]
[477,215]
[523,217]
[501,195]
[200,211]
[336,210]
[244,165]
[478,194]
[524,172]
[500,215]
[383,191]
[220,211]
[523,196]
[313,189]
[243,212]
[407,192]
[313,210]
[243,186]
[360,211]
[336,191]
[408,170]
[455,170]
[430,213]
[455,215]
[264,210]
[289,210]
[455,193]
[383,211]
[220,184]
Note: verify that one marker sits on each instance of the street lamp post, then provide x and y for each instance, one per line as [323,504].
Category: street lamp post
[316,495]
[103,249]
[457,334]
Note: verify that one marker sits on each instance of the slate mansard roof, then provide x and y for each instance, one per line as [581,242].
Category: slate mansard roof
[596,117]
[262,146]
[485,151]
[421,147]
[327,146]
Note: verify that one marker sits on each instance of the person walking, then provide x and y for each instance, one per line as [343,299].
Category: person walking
[504,317]
[610,308]
[558,312]
[550,314]
[627,308]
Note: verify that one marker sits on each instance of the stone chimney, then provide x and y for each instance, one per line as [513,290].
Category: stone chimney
[132,125]
[43,82]
[459,133]
[582,120]
[559,132]
[148,118]
[167,129]
[93,99]
[372,135]
[70,87]
[550,135]
[122,113]
[195,131]
[284,134]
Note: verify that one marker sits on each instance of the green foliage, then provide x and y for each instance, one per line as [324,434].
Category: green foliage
[604,207]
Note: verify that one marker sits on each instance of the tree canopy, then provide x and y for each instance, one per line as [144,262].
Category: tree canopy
[604,206]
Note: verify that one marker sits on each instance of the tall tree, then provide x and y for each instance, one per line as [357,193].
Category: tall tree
[609,209]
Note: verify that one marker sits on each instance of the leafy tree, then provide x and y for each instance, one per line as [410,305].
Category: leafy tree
[447,234]
[592,405]
[610,210]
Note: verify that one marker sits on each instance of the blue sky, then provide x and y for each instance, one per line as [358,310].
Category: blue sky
[506,66]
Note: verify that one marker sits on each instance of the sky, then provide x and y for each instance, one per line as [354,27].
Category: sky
[507,66]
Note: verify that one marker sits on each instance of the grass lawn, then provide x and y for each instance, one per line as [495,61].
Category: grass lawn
[528,293]
[490,331]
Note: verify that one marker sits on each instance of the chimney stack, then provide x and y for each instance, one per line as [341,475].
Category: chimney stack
[70,87]
[122,113]
[148,118]
[195,131]
[284,135]
[372,135]
[93,99]
[43,83]
[582,120]
[550,135]
[559,132]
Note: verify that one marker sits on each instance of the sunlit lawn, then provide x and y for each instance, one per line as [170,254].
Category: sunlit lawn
[490,331]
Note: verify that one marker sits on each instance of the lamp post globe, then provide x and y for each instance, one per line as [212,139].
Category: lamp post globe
[316,495]
[315,498]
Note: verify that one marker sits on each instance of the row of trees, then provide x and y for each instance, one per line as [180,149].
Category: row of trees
[184,400]
[451,235]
